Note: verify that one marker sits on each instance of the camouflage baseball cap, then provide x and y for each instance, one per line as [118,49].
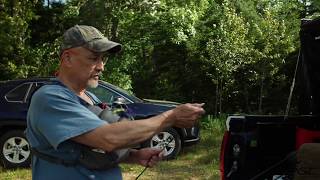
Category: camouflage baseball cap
[88,37]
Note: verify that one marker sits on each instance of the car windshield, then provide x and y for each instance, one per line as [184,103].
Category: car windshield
[122,91]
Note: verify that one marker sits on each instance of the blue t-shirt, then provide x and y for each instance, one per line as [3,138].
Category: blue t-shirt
[55,116]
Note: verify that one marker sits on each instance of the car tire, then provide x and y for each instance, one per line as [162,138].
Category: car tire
[15,150]
[169,140]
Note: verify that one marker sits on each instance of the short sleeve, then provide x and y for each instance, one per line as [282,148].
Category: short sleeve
[58,115]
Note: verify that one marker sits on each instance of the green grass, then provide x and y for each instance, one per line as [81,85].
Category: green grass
[19,174]
[200,161]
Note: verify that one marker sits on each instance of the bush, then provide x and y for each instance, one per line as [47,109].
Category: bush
[214,123]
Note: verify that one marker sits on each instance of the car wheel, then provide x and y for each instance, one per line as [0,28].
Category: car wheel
[15,150]
[169,140]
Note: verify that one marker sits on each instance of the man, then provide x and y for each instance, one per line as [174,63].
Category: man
[61,127]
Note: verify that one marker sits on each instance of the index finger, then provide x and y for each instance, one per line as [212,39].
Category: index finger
[198,104]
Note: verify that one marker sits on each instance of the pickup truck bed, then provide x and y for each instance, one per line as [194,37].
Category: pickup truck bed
[254,144]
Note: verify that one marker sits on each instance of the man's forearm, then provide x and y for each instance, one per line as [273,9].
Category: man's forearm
[125,133]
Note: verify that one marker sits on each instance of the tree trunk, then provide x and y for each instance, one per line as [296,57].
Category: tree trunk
[220,98]
[12,3]
[246,97]
[114,29]
[217,98]
[143,53]
[261,93]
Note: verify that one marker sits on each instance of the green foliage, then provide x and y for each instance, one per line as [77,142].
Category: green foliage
[14,19]
[247,42]
[311,8]
[213,123]
[232,55]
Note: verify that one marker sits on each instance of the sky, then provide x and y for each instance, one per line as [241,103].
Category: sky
[51,1]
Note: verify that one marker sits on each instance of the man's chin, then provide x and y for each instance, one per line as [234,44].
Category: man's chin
[92,83]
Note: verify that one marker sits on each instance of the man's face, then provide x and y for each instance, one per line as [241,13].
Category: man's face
[87,66]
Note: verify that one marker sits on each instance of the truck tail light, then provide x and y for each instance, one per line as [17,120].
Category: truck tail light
[222,151]
[306,136]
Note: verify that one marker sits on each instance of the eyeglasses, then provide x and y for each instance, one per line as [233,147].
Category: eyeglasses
[94,58]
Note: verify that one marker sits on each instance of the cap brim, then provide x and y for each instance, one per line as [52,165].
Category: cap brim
[103,45]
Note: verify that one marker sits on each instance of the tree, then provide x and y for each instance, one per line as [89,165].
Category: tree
[311,9]
[231,54]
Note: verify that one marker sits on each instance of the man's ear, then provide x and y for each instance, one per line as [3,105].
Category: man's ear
[66,58]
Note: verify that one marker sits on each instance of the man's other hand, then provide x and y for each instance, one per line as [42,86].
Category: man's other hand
[147,157]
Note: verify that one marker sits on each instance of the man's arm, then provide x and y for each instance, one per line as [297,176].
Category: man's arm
[127,133]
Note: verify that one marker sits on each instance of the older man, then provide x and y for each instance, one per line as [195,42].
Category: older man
[69,140]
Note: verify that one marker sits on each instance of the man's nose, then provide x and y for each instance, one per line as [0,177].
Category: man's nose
[100,65]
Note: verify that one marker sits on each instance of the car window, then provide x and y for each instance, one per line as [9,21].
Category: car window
[34,87]
[122,91]
[18,94]
[105,95]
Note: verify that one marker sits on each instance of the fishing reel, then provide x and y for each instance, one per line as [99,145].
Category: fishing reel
[120,108]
